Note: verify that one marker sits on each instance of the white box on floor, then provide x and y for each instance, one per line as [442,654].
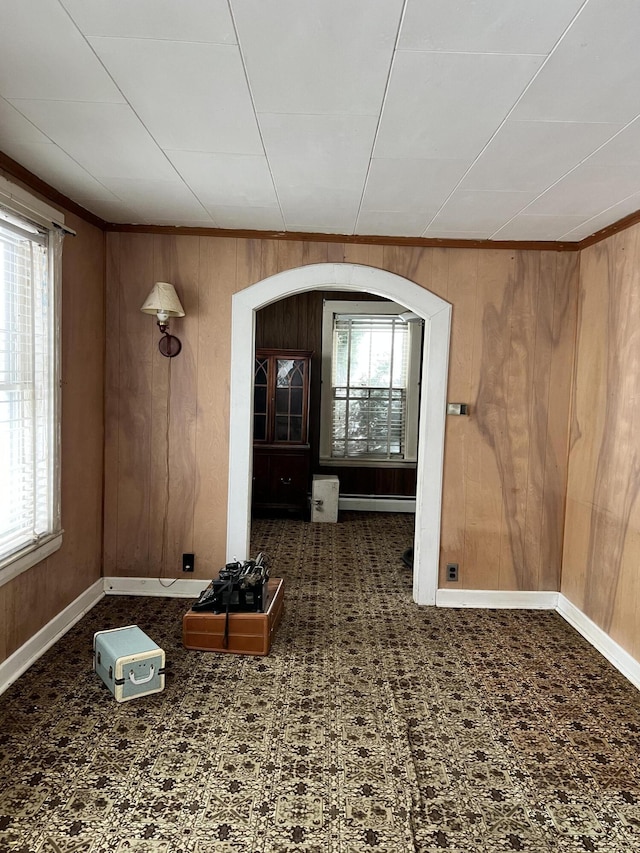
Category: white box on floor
[128,662]
[325,491]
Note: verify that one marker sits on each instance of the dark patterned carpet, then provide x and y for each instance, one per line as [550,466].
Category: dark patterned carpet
[372,725]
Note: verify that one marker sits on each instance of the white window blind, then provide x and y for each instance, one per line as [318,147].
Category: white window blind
[370,367]
[29,499]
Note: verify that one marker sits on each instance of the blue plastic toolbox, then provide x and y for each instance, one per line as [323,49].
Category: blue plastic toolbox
[128,662]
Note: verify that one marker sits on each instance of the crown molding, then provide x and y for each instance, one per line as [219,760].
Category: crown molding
[13,169]
[369,239]
[610,230]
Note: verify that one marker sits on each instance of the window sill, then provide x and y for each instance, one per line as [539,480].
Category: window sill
[367,463]
[18,563]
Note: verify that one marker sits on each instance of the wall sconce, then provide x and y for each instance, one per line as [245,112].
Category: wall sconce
[164,303]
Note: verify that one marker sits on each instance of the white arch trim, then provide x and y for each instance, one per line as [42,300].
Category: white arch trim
[437,315]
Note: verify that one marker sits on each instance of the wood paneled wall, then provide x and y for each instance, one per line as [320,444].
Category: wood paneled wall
[602,533]
[167,427]
[32,599]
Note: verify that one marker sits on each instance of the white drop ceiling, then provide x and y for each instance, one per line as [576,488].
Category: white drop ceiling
[462,119]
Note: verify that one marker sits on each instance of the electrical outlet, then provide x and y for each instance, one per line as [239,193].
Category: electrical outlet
[452,571]
[188,562]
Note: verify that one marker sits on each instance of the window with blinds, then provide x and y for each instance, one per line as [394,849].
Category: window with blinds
[370,411]
[29,501]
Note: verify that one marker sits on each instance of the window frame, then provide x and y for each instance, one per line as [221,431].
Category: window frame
[21,205]
[331,307]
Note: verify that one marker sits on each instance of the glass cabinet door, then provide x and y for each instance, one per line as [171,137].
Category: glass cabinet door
[280,404]
[260,398]
[289,403]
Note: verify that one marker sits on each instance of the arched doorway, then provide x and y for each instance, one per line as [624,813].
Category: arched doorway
[437,316]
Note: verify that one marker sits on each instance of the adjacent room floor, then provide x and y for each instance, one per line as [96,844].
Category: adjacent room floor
[373,724]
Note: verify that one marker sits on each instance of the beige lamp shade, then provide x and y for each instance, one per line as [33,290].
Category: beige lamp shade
[163,300]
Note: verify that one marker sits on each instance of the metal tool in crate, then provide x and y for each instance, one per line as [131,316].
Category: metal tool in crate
[239,588]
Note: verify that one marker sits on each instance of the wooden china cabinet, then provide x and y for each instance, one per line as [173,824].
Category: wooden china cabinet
[281,452]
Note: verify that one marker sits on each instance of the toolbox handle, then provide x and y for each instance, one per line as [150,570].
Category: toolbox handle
[134,680]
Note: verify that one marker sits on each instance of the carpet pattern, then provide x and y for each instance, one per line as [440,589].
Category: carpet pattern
[372,725]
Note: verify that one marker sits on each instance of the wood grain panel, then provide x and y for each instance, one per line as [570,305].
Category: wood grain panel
[516,565]
[461,287]
[218,262]
[565,307]
[174,401]
[138,342]
[487,454]
[248,269]
[315,253]
[416,265]
[603,512]
[617,475]
[113,288]
[511,342]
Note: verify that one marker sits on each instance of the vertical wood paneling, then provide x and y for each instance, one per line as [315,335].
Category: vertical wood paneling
[174,400]
[516,571]
[511,343]
[218,261]
[113,289]
[248,269]
[314,253]
[601,552]
[461,286]
[138,340]
[487,449]
[269,261]
[565,304]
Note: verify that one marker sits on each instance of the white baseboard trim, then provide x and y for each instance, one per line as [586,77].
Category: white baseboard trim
[362,503]
[496,598]
[20,661]
[600,640]
[167,588]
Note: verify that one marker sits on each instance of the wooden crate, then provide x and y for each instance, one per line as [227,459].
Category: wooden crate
[249,633]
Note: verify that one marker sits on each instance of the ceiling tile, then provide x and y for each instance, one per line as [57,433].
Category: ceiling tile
[448,105]
[326,151]
[328,223]
[588,190]
[624,150]
[452,234]
[589,77]
[525,227]
[492,26]
[108,140]
[188,20]
[332,57]
[247,218]
[300,204]
[190,96]
[391,223]
[14,127]
[111,211]
[410,185]
[606,217]
[186,222]
[483,210]
[54,166]
[532,155]
[154,199]
[331,213]
[44,56]
[226,179]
